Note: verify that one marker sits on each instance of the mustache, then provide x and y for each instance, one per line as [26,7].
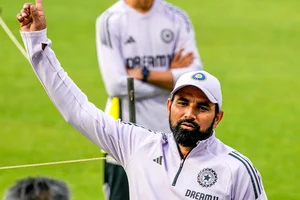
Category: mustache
[191,121]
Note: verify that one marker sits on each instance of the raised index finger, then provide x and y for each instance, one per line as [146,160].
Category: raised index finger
[39,5]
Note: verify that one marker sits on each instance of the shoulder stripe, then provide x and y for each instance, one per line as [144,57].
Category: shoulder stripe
[104,30]
[137,125]
[259,178]
[182,14]
[254,171]
[250,168]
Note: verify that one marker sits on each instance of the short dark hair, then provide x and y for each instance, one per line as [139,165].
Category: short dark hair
[38,188]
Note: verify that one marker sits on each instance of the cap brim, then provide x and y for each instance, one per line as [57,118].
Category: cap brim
[210,97]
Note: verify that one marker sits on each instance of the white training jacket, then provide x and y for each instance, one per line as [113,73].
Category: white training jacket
[128,39]
[211,171]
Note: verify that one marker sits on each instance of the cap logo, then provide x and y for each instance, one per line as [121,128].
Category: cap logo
[199,76]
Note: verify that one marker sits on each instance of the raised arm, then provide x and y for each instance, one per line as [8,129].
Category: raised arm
[117,138]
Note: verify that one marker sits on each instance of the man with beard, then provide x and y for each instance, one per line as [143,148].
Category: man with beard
[190,163]
[131,42]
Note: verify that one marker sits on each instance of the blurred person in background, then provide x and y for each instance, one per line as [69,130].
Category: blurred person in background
[38,188]
[154,42]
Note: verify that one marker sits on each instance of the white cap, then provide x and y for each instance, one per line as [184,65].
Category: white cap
[203,80]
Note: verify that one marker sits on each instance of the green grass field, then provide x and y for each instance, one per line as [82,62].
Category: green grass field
[252,46]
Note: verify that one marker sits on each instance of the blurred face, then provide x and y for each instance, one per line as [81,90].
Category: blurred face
[142,5]
[192,116]
[145,2]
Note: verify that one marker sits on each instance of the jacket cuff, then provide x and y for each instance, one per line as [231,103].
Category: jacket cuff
[33,41]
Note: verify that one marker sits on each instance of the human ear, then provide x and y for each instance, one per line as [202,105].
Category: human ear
[218,118]
[169,103]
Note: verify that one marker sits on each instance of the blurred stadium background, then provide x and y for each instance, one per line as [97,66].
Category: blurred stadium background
[252,46]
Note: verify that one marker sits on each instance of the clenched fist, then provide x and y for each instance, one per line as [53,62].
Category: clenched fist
[32,18]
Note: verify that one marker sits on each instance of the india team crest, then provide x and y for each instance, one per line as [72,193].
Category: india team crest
[167,35]
[207,177]
[199,76]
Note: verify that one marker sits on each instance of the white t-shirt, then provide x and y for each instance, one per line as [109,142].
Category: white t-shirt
[129,39]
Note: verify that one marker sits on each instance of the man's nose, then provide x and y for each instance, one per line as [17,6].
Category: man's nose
[190,113]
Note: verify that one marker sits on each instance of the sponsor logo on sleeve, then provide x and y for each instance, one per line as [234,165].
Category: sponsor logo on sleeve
[158,160]
[130,40]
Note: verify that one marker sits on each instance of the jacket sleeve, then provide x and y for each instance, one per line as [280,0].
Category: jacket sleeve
[186,39]
[111,60]
[247,181]
[120,140]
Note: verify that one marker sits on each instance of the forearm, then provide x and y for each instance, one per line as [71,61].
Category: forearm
[74,106]
[162,79]
[70,101]
[114,75]
[117,87]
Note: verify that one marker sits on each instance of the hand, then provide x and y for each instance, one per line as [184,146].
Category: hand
[182,61]
[135,73]
[32,18]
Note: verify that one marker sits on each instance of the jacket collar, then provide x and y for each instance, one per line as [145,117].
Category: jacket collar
[201,146]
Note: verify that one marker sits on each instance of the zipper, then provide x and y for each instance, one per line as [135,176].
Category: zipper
[180,168]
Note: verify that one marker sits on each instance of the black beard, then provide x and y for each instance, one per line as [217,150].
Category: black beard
[190,138]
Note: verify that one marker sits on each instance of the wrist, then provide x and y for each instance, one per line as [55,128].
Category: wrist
[145,74]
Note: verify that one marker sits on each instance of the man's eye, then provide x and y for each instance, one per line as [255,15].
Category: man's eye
[182,103]
[202,108]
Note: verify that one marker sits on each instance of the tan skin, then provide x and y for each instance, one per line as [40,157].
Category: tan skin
[141,6]
[191,103]
[32,18]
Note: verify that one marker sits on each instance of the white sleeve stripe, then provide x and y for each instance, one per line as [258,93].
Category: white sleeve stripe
[182,14]
[250,169]
[104,30]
